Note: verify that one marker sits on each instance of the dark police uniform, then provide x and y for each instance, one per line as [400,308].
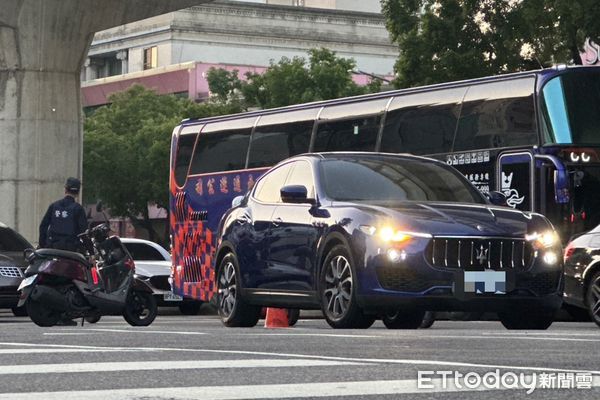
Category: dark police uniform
[64,220]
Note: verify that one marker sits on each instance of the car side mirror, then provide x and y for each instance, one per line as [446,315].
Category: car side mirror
[237,201]
[296,194]
[497,198]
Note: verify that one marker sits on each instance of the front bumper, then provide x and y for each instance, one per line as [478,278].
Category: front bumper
[9,295]
[412,282]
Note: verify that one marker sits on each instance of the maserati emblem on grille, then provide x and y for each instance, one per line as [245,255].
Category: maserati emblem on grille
[481,254]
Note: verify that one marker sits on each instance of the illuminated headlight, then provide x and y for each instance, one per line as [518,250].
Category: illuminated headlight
[390,235]
[543,240]
[396,255]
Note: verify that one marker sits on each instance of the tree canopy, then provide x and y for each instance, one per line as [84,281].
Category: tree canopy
[323,76]
[445,40]
[126,149]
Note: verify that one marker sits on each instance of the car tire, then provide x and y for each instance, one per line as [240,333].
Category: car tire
[528,318]
[293,316]
[404,319]
[577,313]
[19,311]
[233,309]
[592,298]
[337,292]
[190,307]
[428,320]
[140,308]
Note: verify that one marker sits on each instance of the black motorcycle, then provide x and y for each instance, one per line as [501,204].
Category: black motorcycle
[63,285]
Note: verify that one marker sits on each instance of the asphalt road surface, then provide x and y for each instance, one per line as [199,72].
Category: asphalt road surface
[181,357]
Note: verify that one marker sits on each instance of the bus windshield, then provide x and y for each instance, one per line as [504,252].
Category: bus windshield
[572,109]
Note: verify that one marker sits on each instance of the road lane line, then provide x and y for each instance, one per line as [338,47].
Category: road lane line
[55,351]
[329,358]
[138,330]
[275,391]
[164,365]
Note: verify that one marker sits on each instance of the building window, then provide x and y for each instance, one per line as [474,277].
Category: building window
[298,3]
[150,57]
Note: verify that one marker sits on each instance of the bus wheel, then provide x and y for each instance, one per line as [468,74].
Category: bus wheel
[233,309]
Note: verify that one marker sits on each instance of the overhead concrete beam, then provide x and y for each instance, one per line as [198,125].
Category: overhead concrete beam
[42,47]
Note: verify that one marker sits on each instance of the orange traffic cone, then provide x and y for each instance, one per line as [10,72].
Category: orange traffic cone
[276,318]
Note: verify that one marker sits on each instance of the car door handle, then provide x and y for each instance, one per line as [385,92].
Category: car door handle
[277,221]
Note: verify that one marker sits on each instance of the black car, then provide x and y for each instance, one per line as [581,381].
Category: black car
[367,235]
[582,273]
[12,265]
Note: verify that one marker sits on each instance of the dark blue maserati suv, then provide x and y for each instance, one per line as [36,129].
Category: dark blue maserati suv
[370,235]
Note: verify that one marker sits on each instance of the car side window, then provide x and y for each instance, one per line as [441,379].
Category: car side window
[269,186]
[302,175]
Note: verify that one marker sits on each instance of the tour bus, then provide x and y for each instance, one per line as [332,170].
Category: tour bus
[535,136]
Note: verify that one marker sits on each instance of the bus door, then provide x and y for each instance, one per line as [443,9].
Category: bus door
[515,177]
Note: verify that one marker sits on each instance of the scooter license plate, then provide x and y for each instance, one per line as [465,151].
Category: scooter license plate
[27,281]
[170,296]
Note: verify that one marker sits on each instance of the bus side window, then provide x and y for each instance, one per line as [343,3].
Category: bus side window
[351,134]
[497,114]
[222,146]
[185,147]
[422,123]
[273,143]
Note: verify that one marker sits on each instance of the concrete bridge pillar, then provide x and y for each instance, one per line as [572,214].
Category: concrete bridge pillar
[43,44]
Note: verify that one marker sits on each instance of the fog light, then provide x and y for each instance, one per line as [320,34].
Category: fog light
[550,258]
[396,255]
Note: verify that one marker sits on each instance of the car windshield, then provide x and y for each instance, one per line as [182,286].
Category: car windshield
[395,179]
[572,108]
[12,241]
[144,252]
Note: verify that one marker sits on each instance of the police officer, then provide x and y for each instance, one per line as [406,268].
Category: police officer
[64,220]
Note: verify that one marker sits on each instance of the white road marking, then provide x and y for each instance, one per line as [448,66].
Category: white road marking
[138,330]
[57,351]
[412,362]
[68,333]
[276,391]
[164,365]
[501,337]
[295,390]
[312,334]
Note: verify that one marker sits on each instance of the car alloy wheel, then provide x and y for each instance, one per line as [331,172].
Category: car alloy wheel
[338,289]
[337,292]
[233,308]
[593,298]
[227,290]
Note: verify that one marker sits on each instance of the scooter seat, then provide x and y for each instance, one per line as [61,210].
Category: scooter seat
[63,254]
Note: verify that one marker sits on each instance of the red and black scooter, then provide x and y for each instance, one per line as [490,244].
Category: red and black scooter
[66,285]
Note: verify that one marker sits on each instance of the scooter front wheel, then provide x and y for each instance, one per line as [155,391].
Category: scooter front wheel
[140,309]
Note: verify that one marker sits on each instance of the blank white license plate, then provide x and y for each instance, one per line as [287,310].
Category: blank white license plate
[170,296]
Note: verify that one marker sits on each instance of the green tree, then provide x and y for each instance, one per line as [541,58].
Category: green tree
[291,81]
[126,150]
[445,40]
